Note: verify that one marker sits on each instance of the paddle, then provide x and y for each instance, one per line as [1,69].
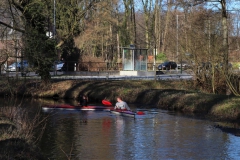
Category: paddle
[140,113]
[107,103]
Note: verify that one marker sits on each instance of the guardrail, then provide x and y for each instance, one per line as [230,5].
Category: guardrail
[98,66]
[105,76]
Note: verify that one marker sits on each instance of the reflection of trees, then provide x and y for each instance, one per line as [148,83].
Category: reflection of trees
[74,133]
[128,54]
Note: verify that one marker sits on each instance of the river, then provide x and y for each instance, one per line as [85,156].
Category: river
[100,135]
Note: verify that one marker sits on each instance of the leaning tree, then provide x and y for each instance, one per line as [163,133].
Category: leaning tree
[35,18]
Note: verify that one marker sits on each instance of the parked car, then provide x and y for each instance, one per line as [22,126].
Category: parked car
[184,64]
[167,65]
[23,64]
[229,65]
[19,65]
[208,65]
[58,65]
[12,67]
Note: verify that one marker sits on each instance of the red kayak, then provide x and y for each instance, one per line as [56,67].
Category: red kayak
[123,112]
[70,107]
[127,113]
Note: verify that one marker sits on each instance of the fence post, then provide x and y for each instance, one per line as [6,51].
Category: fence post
[107,76]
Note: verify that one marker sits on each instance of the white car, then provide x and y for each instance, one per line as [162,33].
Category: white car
[58,65]
[12,67]
[19,65]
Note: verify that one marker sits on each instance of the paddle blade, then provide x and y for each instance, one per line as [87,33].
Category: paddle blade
[106,103]
[140,113]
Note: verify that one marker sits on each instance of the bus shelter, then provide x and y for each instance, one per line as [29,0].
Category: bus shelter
[134,59]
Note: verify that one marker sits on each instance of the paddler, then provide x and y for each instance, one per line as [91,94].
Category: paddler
[83,100]
[121,105]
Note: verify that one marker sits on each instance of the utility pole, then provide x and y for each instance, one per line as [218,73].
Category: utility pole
[155,72]
[54,32]
[177,46]
[54,19]
[177,38]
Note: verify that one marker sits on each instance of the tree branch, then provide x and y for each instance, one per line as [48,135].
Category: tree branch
[12,27]
[17,5]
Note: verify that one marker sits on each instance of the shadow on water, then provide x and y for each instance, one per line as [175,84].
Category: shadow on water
[226,127]
[231,128]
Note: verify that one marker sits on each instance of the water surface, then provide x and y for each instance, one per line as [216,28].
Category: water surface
[99,135]
[159,135]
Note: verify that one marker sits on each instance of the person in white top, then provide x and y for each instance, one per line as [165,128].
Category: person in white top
[121,104]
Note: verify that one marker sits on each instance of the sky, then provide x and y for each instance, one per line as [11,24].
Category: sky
[232,5]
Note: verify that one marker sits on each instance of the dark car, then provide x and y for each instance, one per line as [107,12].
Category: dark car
[167,65]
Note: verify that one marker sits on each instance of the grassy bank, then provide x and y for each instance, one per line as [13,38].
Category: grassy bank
[178,95]
[17,138]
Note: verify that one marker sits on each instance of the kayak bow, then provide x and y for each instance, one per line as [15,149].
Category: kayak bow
[127,113]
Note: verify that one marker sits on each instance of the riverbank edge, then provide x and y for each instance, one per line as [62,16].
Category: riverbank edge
[167,95]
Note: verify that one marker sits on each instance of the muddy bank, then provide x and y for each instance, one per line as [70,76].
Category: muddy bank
[178,96]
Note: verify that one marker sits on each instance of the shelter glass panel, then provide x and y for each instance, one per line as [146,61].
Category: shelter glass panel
[140,59]
[128,59]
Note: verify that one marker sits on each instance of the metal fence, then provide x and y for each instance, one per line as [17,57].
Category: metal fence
[98,66]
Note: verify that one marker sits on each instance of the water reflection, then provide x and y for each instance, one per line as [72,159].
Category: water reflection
[164,136]
[101,135]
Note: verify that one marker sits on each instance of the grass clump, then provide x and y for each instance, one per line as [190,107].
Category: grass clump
[17,134]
